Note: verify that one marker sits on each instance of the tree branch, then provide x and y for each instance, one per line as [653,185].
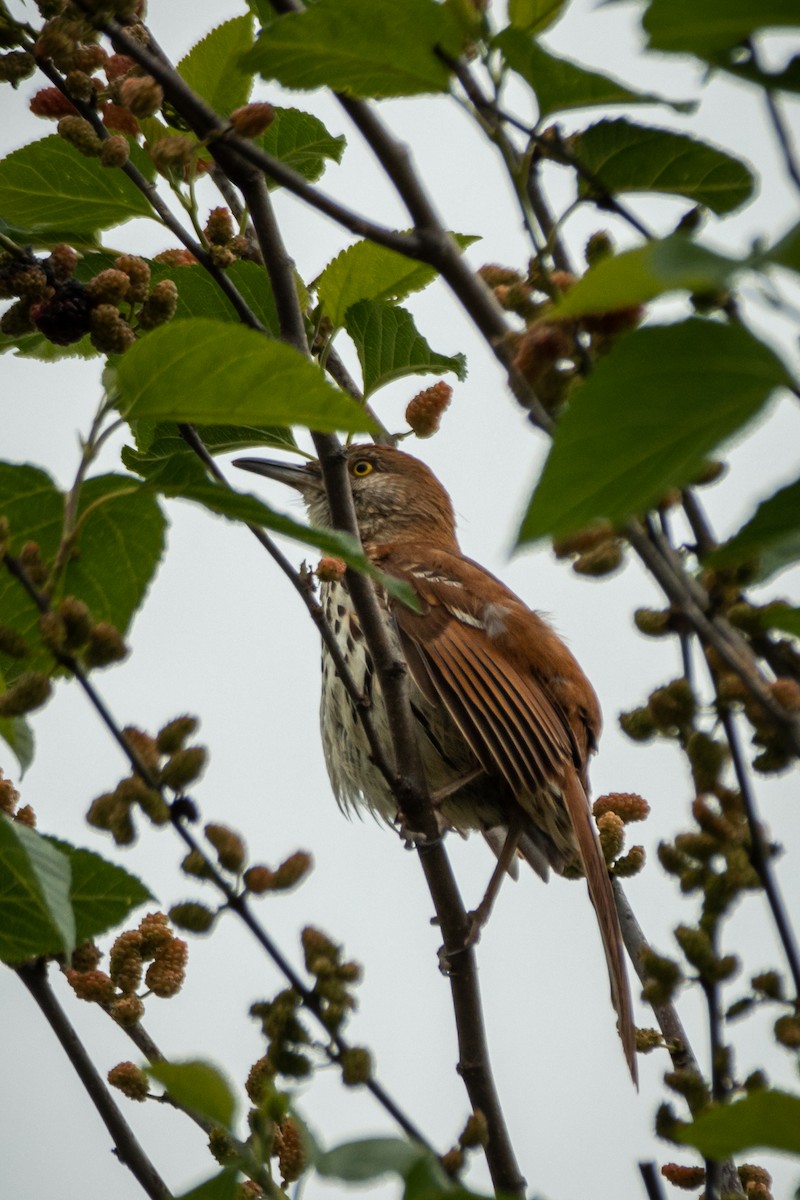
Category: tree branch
[677,1043]
[126,1146]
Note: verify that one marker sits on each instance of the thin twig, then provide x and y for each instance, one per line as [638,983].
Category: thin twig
[675,1040]
[235,901]
[126,1147]
[690,598]
[163,212]
[759,849]
[651,1181]
[409,785]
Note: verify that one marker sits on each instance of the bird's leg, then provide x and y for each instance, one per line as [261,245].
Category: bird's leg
[441,794]
[480,915]
[448,790]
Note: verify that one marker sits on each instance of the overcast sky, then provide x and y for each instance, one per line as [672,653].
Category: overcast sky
[222,635]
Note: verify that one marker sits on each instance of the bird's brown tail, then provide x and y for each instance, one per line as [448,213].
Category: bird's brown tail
[603,900]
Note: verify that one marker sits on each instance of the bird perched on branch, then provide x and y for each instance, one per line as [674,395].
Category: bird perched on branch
[506,718]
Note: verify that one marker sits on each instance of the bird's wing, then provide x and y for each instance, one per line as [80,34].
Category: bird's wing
[474,646]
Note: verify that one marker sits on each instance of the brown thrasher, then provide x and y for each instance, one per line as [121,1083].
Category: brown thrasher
[506,717]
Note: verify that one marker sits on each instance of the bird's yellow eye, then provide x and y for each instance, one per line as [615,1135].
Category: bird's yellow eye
[362,467]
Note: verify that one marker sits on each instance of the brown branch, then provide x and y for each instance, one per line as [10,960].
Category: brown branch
[315,611]
[759,849]
[126,1146]
[693,602]
[676,1042]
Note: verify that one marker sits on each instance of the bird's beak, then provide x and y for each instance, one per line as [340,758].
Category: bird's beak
[302,476]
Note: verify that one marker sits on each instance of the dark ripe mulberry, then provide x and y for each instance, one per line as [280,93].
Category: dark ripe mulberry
[64,318]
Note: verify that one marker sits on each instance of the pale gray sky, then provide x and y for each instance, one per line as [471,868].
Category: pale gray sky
[223,636]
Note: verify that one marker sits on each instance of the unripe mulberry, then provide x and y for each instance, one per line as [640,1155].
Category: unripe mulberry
[172,736]
[612,835]
[94,986]
[330,570]
[171,154]
[425,410]
[494,275]
[291,871]
[600,561]
[629,806]
[62,262]
[130,1080]
[110,286]
[115,151]
[142,95]
[16,66]
[688,1178]
[125,961]
[17,320]
[599,246]
[194,917]
[177,257]
[787,1031]
[12,643]
[160,305]
[542,345]
[127,1011]
[167,971]
[356,1064]
[80,134]
[291,1151]
[183,767]
[111,334]
[230,848]
[252,119]
[138,272]
[219,227]
[29,692]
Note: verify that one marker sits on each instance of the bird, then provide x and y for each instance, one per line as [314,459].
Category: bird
[506,718]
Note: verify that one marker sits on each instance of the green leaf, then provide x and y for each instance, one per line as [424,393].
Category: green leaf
[198,1086]
[637,158]
[121,541]
[785,80]
[365,48]
[35,510]
[300,140]
[212,66]
[636,276]
[389,346]
[212,372]
[786,252]
[48,184]
[781,616]
[36,345]
[771,536]
[715,25]
[534,16]
[163,455]
[35,912]
[765,1119]
[646,419]
[242,506]
[369,1158]
[224,1186]
[18,736]
[102,894]
[366,271]
[560,84]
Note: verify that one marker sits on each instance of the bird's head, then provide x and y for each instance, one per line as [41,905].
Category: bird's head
[396,497]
